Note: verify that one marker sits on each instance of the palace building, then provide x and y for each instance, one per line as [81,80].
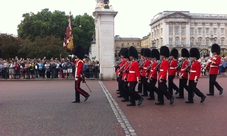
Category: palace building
[182,29]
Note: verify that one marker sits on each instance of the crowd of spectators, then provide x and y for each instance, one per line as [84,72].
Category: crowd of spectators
[45,68]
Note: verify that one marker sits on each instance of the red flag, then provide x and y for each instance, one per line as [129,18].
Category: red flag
[68,38]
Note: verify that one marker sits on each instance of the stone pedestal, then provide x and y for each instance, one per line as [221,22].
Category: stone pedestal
[104,27]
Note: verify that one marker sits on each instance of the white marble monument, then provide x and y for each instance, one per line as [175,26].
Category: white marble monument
[104,32]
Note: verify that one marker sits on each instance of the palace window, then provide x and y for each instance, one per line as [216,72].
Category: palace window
[192,41]
[170,41]
[199,30]
[182,41]
[170,30]
[176,30]
[177,41]
[191,30]
[207,41]
[207,30]
[222,41]
[182,30]
[199,41]
[215,30]
[222,30]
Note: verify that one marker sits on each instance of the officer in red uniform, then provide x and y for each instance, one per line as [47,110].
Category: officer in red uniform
[119,73]
[79,74]
[172,70]
[133,77]
[195,71]
[141,62]
[152,75]
[183,76]
[214,69]
[144,71]
[124,71]
[162,77]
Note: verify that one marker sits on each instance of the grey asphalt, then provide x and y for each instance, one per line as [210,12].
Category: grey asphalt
[44,108]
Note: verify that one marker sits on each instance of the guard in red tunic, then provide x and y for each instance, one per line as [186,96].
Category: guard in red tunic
[144,71]
[141,62]
[172,70]
[152,75]
[124,71]
[195,71]
[133,77]
[79,74]
[183,75]
[213,64]
[162,77]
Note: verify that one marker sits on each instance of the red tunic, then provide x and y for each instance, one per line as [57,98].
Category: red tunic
[125,72]
[195,70]
[214,65]
[79,68]
[163,70]
[134,72]
[153,71]
[145,65]
[172,67]
[184,73]
[120,65]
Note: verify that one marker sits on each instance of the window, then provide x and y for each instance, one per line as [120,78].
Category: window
[170,41]
[222,41]
[191,31]
[170,30]
[199,30]
[177,41]
[176,30]
[207,30]
[191,41]
[182,30]
[207,41]
[199,41]
[222,30]
[182,41]
[215,30]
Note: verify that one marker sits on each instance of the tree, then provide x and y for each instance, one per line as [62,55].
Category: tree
[42,24]
[83,29]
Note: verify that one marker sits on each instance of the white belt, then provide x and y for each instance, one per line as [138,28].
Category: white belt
[213,66]
[192,71]
[132,72]
[172,67]
[144,67]
[161,70]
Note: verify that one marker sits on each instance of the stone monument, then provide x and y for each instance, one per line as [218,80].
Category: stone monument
[104,33]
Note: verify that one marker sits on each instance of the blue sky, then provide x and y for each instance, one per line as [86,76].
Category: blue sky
[133,16]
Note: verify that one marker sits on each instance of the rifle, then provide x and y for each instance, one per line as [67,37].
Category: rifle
[149,67]
[188,66]
[159,63]
[117,63]
[127,69]
[180,64]
[141,64]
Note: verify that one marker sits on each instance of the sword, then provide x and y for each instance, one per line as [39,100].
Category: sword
[87,86]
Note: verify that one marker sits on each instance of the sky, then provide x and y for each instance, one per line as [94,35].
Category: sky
[133,16]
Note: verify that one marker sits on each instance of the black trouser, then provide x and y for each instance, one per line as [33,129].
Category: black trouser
[79,91]
[213,82]
[162,90]
[126,93]
[171,84]
[153,88]
[133,94]
[120,83]
[140,88]
[192,88]
[182,85]
[145,85]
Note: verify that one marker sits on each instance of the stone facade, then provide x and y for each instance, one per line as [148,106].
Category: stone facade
[182,29]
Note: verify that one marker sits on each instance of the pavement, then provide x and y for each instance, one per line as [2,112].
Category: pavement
[43,107]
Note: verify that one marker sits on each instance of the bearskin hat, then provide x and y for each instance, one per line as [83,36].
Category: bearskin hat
[155,54]
[194,52]
[184,53]
[215,48]
[174,53]
[142,52]
[132,52]
[164,51]
[79,51]
[146,52]
[126,53]
[121,52]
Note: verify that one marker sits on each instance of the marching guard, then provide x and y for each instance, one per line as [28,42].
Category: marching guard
[195,71]
[183,76]
[141,62]
[133,77]
[152,74]
[162,77]
[214,70]
[172,71]
[79,74]
[146,54]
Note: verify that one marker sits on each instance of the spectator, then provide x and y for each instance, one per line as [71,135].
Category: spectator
[11,69]
[64,68]
[97,69]
[17,70]
[69,69]
[47,68]
[36,69]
